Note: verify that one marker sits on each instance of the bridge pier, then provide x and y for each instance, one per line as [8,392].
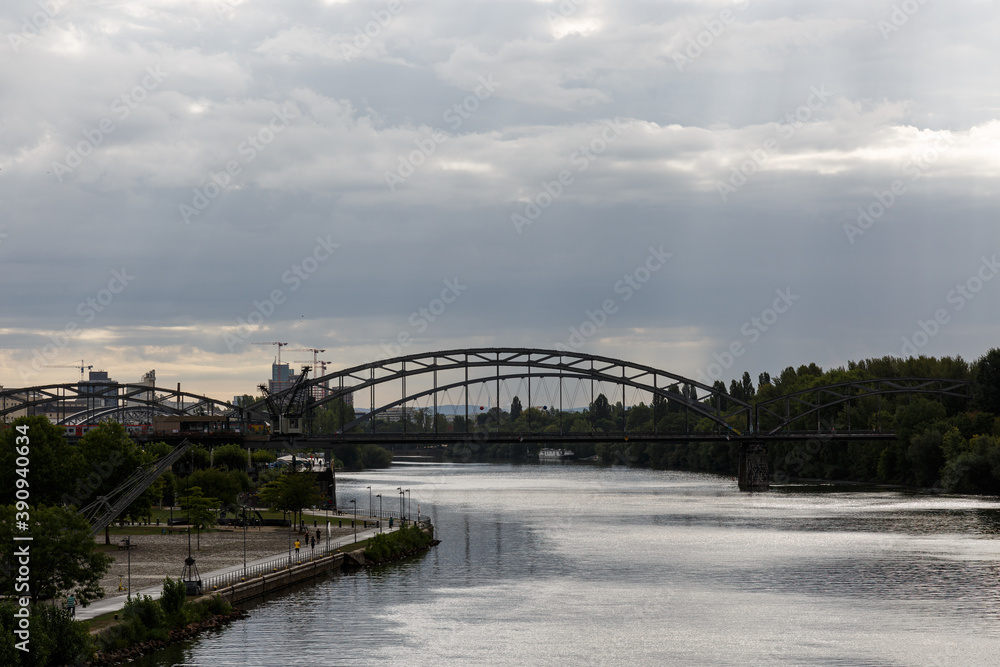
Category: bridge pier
[754,471]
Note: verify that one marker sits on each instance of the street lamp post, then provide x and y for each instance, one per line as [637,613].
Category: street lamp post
[285,513]
[244,541]
[408,498]
[333,494]
[379,496]
[328,524]
[128,547]
[355,522]
[369,500]
[400,489]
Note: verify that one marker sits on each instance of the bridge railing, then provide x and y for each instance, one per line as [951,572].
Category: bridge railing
[279,563]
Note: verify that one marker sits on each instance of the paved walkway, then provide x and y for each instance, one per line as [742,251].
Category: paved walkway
[117,603]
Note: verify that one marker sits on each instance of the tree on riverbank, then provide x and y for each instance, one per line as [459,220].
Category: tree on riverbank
[63,555]
[291,492]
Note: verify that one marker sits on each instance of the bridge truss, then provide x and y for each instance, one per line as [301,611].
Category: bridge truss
[542,377]
[392,384]
[74,404]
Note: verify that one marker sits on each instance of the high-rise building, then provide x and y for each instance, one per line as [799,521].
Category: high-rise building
[103,389]
[282,378]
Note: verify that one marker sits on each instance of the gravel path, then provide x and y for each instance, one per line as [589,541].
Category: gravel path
[157,556]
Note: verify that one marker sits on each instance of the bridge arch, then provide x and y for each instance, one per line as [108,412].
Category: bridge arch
[517,364]
[110,400]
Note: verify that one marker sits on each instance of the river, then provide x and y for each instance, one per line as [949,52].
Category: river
[568,564]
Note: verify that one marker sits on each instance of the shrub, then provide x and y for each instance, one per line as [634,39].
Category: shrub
[56,639]
[219,606]
[174,596]
[146,610]
[159,634]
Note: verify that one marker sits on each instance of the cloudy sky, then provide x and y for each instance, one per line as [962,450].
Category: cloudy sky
[181,178]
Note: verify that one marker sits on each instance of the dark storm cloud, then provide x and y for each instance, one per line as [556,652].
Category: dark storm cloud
[355,156]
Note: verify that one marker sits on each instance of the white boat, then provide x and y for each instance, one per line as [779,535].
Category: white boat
[549,454]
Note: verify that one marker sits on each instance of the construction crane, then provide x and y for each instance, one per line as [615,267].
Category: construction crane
[80,366]
[274,343]
[315,361]
[322,366]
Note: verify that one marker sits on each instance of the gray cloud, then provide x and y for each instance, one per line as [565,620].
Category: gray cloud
[354,106]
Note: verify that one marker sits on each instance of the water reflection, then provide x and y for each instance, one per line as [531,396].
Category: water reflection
[580,565]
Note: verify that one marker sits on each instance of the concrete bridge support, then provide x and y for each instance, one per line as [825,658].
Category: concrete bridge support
[754,471]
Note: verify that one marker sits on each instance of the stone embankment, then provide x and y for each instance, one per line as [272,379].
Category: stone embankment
[189,631]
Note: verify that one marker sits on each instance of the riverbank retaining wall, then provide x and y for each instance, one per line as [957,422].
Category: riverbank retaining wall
[274,581]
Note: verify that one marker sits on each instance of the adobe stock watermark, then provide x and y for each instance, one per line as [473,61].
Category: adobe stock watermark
[581,159]
[87,310]
[262,310]
[958,298]
[455,115]
[751,330]
[422,318]
[121,108]
[899,16]
[629,284]
[226,9]
[714,28]
[32,25]
[758,157]
[915,169]
[248,150]
[567,8]
[363,35]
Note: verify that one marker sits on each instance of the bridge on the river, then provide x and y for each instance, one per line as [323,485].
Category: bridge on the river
[551,386]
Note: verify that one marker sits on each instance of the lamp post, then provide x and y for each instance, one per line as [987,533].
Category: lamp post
[285,513]
[400,489]
[379,496]
[244,541]
[328,523]
[333,494]
[408,498]
[128,547]
[369,500]
[355,522]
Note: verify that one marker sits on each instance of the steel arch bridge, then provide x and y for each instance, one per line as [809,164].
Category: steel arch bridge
[444,371]
[433,373]
[126,403]
[436,373]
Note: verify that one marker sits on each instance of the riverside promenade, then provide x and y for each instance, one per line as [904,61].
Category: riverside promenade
[117,603]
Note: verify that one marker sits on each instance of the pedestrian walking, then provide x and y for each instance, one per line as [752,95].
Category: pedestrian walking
[71,605]
[312,544]
[296,547]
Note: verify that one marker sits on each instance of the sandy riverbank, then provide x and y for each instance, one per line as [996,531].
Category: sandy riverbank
[154,557]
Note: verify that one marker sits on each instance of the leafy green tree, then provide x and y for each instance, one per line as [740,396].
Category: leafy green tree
[230,457]
[58,472]
[201,511]
[986,382]
[63,556]
[375,456]
[601,408]
[291,492]
[215,483]
[261,458]
[331,417]
[56,639]
[515,408]
[640,418]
